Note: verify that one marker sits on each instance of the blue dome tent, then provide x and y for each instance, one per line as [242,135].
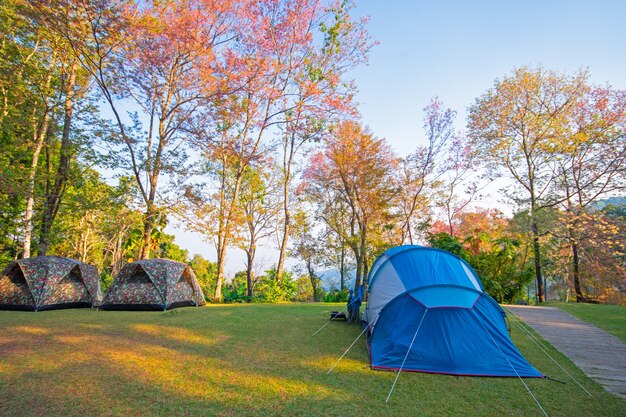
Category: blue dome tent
[427,311]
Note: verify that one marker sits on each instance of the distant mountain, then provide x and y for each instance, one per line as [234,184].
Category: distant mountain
[331,279]
[615,201]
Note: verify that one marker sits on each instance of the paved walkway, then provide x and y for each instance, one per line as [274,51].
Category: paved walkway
[598,354]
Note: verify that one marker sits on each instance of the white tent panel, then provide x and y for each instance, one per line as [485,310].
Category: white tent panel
[471,276]
[388,286]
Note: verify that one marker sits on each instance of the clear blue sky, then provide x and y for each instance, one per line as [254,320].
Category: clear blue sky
[456,50]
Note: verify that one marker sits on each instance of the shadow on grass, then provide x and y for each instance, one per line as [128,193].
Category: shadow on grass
[228,361]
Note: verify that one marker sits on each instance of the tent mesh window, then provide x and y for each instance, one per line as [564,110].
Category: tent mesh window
[140,277]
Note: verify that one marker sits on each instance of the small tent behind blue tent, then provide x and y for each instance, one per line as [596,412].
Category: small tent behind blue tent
[427,311]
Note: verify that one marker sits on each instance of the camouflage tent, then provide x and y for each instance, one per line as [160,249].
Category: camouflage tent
[47,282]
[154,284]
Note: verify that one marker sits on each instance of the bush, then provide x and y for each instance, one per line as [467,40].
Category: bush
[336,296]
[269,290]
[445,241]
[502,268]
[304,291]
[235,294]
[106,279]
[236,291]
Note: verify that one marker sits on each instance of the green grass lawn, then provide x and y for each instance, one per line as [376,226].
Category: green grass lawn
[246,360]
[610,318]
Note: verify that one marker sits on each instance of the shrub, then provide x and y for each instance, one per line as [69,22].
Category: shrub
[336,296]
[270,290]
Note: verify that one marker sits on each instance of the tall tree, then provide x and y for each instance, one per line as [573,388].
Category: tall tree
[283,80]
[307,247]
[420,171]
[459,184]
[317,90]
[260,207]
[516,126]
[19,66]
[165,58]
[359,168]
[591,164]
[73,87]
[38,58]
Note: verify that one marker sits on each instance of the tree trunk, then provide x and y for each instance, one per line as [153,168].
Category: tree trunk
[364,268]
[537,257]
[40,135]
[576,267]
[148,225]
[224,230]
[250,254]
[359,266]
[85,246]
[283,245]
[53,199]
[221,253]
[342,266]
[116,259]
[287,225]
[314,280]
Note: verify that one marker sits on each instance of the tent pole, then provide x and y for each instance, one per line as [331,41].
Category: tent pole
[406,356]
[534,339]
[511,365]
[344,353]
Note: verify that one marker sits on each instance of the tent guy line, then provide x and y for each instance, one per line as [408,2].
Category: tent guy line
[518,322]
[515,370]
[406,356]
[347,350]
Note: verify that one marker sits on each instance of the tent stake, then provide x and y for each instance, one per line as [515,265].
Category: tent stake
[406,356]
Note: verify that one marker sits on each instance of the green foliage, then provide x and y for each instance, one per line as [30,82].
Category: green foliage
[445,241]
[336,296]
[106,279]
[166,248]
[271,290]
[236,291]
[206,273]
[501,271]
[501,266]
[304,289]
[162,244]
[268,289]
[615,211]
[235,294]
[94,222]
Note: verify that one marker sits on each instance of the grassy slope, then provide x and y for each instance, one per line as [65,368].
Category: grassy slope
[611,318]
[245,360]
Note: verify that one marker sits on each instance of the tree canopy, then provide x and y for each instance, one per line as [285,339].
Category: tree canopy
[236,120]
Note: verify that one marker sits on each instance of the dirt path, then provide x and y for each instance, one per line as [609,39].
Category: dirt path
[598,354]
